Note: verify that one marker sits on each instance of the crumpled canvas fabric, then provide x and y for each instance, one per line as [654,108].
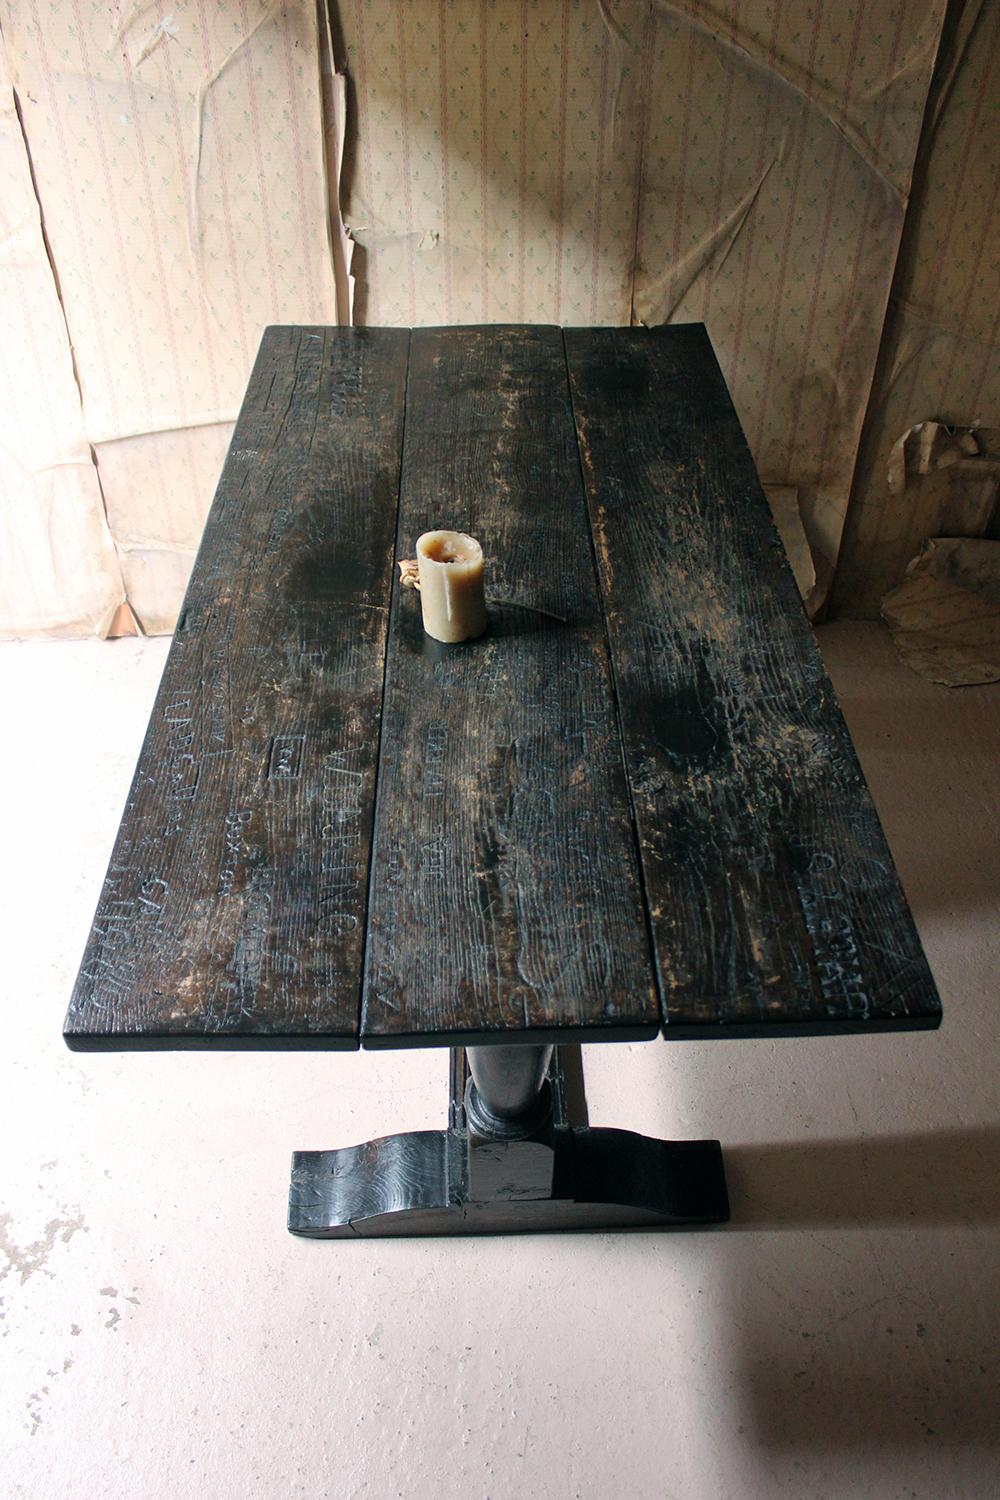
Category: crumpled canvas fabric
[945,615]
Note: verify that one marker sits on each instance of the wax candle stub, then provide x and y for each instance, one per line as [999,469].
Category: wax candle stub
[452,598]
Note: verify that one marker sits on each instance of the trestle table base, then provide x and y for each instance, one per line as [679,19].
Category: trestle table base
[496,1172]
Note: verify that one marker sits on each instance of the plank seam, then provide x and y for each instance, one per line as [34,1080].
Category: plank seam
[633,819]
[393,606]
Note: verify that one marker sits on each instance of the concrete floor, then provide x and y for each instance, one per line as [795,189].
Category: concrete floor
[163,1337]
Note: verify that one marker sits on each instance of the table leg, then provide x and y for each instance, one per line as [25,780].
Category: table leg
[508,1083]
[510,1161]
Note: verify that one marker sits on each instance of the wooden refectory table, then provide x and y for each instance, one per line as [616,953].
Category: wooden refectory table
[632,807]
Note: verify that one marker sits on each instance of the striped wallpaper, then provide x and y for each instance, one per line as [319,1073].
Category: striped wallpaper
[566,161]
[941,353]
[177,150]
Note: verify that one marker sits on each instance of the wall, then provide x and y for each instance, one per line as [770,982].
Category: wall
[564,161]
[170,199]
[941,349]
[570,161]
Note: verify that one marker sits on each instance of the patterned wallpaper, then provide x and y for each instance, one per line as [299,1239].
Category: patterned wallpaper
[58,565]
[494,165]
[775,174]
[941,353]
[177,152]
[745,162]
[564,161]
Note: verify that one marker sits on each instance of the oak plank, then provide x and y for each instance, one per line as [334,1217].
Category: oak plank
[773,898]
[233,910]
[505,896]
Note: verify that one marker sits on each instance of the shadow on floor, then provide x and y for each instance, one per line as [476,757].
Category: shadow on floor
[874,1329]
[942,1177]
[892,1349]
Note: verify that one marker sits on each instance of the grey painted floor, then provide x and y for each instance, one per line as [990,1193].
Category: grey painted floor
[162,1336]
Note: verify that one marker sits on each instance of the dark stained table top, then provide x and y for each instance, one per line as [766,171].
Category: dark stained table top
[632,806]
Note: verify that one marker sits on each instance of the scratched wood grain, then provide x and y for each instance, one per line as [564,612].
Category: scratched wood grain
[773,897]
[233,911]
[504,893]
